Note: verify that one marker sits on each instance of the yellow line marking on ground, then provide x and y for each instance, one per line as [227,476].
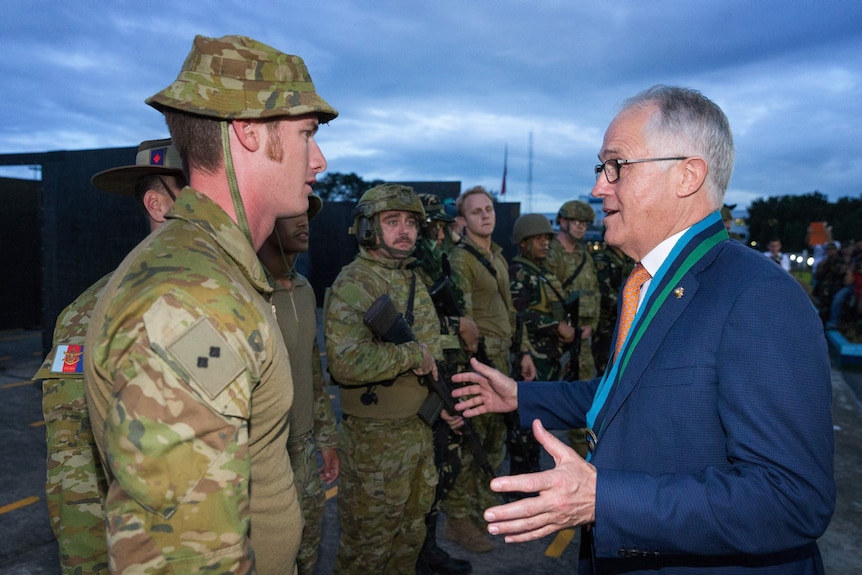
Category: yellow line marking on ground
[38,423]
[331,492]
[560,542]
[18,504]
[18,384]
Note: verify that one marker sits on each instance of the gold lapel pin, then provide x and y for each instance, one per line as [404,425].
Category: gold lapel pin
[679,292]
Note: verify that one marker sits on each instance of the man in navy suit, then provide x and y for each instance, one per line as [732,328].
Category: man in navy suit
[712,440]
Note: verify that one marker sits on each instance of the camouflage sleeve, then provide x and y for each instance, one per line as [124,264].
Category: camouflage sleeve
[325,431]
[526,294]
[176,432]
[75,486]
[591,304]
[462,277]
[355,356]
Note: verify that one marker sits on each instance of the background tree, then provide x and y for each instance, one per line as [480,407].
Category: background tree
[786,218]
[337,187]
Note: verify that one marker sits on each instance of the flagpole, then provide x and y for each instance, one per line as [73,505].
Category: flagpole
[505,165]
[530,177]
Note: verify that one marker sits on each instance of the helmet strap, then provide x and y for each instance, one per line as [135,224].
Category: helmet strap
[289,266]
[241,219]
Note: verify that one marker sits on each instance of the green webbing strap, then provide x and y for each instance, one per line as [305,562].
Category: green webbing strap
[241,219]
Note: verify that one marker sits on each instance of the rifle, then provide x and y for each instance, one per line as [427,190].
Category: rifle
[389,325]
[573,311]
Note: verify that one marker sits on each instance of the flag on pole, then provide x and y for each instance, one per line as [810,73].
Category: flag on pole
[505,161]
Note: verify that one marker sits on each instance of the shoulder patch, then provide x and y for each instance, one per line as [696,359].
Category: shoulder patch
[352,294]
[68,359]
[206,357]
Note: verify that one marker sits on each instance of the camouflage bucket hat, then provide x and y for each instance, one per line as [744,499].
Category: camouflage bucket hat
[434,210]
[235,77]
[154,157]
[576,210]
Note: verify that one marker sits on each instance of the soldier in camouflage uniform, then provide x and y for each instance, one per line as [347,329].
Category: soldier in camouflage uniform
[482,274]
[312,422]
[539,302]
[572,263]
[188,378]
[612,269]
[388,475]
[432,266]
[76,484]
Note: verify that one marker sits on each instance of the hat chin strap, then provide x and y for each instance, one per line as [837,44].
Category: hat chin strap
[238,207]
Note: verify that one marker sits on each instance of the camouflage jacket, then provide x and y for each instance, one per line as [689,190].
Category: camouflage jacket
[360,362]
[76,486]
[189,388]
[296,310]
[538,300]
[577,274]
[429,268]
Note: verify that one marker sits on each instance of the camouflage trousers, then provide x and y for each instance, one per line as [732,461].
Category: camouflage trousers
[312,499]
[386,487]
[75,481]
[472,493]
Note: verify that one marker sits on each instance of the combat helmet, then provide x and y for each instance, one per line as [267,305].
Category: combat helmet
[435,211]
[576,210]
[236,77]
[530,225]
[382,198]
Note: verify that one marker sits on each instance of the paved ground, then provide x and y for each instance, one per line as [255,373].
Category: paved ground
[27,545]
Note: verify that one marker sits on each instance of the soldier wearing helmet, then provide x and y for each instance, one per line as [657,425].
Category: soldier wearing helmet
[388,476]
[186,355]
[573,264]
[76,486]
[312,421]
[542,318]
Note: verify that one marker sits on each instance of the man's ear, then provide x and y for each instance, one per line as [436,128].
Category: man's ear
[248,133]
[157,205]
[693,176]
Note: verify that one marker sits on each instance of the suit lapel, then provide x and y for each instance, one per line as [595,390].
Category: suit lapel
[665,317]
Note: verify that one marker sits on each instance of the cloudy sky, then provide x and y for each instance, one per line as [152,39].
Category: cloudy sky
[438,89]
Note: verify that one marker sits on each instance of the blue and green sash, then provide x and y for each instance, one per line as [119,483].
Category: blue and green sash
[691,247]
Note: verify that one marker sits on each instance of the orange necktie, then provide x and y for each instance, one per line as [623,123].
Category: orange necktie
[631,293]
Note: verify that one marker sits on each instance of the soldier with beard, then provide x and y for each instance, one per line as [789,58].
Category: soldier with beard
[388,474]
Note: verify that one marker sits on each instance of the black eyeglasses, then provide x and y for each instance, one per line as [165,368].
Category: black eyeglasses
[611,168]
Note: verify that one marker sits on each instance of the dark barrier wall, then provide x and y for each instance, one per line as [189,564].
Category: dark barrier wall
[21,288]
[85,232]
